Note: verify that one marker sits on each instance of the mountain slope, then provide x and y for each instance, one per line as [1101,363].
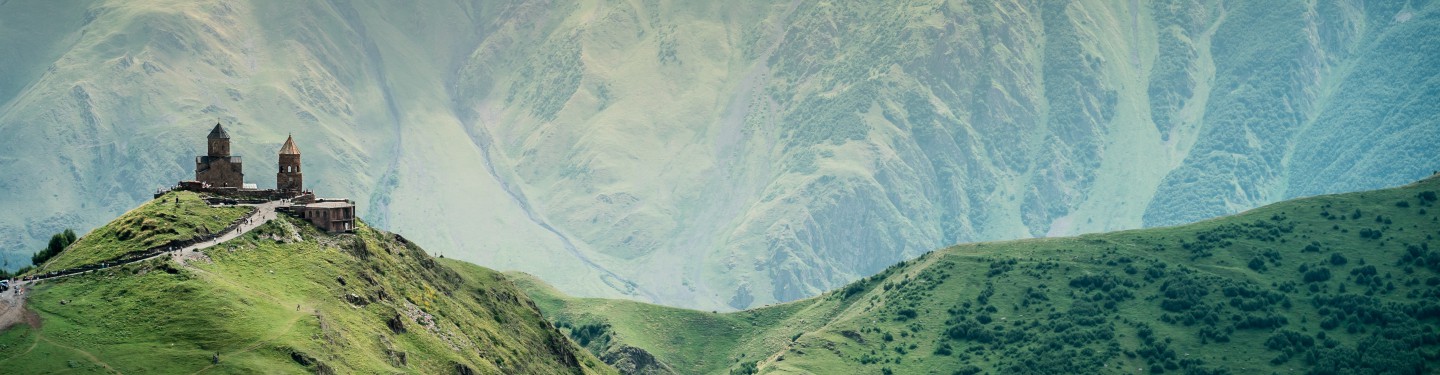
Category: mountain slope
[754,151]
[1329,284]
[287,298]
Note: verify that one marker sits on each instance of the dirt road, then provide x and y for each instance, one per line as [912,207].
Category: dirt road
[12,301]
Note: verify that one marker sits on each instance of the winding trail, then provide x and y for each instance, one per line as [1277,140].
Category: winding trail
[12,301]
[264,212]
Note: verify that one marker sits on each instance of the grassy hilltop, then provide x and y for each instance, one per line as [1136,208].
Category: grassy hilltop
[1330,284]
[154,223]
[283,298]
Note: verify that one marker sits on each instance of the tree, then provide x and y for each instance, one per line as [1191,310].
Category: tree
[746,368]
[58,243]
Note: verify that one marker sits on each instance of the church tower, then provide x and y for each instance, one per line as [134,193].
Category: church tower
[219,142]
[217,167]
[289,178]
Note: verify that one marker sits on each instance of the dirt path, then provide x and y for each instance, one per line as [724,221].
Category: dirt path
[12,301]
[12,308]
[263,213]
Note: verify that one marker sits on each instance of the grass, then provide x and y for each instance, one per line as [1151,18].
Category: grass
[689,341]
[288,298]
[1238,294]
[154,223]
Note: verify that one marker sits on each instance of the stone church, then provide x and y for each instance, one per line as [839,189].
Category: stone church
[218,172]
[219,169]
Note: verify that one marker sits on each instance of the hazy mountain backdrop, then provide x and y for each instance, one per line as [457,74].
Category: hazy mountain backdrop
[719,155]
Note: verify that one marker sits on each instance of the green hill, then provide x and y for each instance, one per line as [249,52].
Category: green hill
[1331,284]
[282,298]
[178,215]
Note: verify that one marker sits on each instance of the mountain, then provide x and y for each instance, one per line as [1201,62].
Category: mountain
[280,298]
[1331,284]
[719,155]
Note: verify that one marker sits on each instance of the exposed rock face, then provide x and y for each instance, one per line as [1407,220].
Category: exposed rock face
[632,360]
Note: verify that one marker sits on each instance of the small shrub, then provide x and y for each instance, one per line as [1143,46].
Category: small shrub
[1338,260]
[1257,264]
[943,350]
[1319,274]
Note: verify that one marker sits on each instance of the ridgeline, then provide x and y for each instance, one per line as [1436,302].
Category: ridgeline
[1332,284]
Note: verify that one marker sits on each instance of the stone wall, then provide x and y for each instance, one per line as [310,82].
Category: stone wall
[219,171]
[218,147]
[289,177]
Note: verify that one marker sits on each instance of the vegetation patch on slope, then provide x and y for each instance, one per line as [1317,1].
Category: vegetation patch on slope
[1330,284]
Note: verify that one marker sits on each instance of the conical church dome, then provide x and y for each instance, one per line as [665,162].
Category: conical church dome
[289,147]
[218,133]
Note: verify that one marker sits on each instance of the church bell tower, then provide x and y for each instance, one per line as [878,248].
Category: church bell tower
[289,178]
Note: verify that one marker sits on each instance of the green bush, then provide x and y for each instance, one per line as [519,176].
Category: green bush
[1257,264]
[1319,274]
[1338,260]
[746,368]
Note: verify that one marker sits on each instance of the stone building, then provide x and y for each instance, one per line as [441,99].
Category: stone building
[218,168]
[289,178]
[219,175]
[332,215]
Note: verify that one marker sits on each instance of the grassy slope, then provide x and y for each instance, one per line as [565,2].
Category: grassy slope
[688,341]
[268,301]
[1239,294]
[154,223]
